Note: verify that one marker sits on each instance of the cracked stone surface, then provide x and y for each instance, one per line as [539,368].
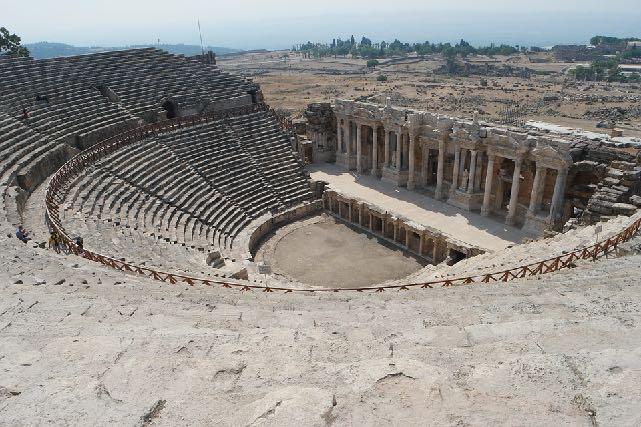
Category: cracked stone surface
[104,348]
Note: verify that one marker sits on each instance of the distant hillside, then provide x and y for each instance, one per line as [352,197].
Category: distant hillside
[43,50]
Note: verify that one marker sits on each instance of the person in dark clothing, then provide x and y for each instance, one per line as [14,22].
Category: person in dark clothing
[80,244]
[22,234]
[25,114]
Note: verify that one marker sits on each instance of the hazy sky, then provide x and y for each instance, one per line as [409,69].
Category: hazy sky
[273,24]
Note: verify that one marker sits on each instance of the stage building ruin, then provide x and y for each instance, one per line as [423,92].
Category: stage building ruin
[528,179]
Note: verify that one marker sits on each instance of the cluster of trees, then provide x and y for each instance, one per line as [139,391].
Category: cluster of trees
[604,70]
[10,44]
[366,49]
[598,40]
[635,52]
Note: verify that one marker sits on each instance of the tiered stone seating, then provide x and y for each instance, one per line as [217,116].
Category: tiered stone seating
[194,189]
[56,106]
[217,154]
[143,78]
[270,150]
[197,186]
[19,146]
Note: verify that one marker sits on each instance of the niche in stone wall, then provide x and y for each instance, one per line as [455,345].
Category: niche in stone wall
[171,108]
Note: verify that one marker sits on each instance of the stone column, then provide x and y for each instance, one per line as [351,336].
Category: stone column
[556,211]
[514,193]
[455,170]
[348,144]
[479,172]
[421,244]
[399,151]
[386,148]
[537,190]
[410,179]
[339,136]
[359,148]
[438,194]
[374,150]
[485,209]
[424,165]
[461,169]
[470,185]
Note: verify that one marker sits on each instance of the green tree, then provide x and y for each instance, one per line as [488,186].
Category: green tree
[372,63]
[10,44]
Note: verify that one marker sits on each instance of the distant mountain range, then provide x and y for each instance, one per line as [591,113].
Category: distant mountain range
[44,50]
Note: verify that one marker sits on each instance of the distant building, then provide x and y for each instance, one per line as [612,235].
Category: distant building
[573,52]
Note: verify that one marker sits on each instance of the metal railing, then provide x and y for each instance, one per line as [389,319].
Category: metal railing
[61,180]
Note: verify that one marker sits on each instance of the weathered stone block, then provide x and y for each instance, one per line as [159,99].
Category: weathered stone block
[635,200]
[624,208]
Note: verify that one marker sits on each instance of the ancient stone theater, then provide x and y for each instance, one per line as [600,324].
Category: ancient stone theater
[167,165]
[193,257]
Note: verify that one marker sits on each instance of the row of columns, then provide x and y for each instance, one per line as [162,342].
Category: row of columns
[433,246]
[348,133]
[473,182]
[536,196]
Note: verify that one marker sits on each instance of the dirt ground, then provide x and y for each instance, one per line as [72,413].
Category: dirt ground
[290,82]
[325,252]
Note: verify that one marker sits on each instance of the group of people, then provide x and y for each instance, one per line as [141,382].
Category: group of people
[55,241]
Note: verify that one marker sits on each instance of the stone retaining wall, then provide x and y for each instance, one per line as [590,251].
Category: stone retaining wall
[423,241]
[279,220]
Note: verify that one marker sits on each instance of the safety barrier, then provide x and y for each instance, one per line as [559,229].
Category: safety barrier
[70,170]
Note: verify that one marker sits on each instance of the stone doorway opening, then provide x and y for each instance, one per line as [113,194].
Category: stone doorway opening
[456,256]
[171,108]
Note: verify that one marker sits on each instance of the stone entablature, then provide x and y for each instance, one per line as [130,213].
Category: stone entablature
[426,242]
[512,173]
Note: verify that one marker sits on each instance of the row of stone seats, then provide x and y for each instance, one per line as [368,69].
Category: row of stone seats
[158,193]
[64,107]
[146,249]
[20,146]
[262,140]
[143,77]
[216,153]
[196,186]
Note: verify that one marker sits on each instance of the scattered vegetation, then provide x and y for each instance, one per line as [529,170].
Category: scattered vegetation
[367,49]
[599,40]
[381,78]
[10,44]
[604,70]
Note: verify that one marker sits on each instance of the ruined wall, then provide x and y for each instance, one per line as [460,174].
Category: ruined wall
[426,242]
[279,220]
[321,131]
